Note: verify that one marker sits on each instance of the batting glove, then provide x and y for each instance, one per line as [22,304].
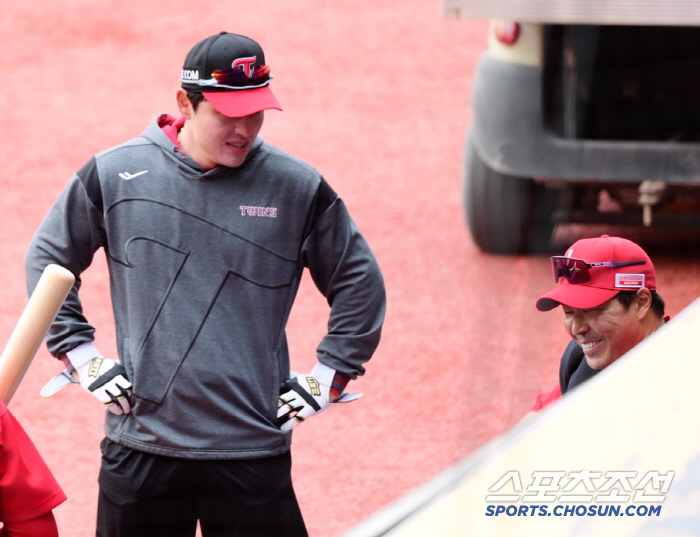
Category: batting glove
[303,396]
[104,378]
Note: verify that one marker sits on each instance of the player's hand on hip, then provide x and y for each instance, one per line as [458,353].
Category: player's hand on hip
[303,396]
[106,379]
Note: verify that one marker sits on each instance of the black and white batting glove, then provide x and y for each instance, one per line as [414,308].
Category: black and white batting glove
[303,396]
[104,378]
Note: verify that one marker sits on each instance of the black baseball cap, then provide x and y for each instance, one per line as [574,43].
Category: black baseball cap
[230,71]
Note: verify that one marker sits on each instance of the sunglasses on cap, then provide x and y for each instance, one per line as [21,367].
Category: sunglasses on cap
[237,78]
[578,271]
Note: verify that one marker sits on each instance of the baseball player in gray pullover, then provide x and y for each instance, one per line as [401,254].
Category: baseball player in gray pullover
[207,230]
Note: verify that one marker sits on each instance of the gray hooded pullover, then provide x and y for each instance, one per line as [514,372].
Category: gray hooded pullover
[204,268]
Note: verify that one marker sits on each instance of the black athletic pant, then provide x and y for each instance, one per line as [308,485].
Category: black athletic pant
[154,496]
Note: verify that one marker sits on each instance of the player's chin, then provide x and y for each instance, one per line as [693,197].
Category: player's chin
[232,159]
[599,361]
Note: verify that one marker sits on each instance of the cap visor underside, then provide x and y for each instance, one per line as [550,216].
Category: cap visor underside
[242,102]
[575,296]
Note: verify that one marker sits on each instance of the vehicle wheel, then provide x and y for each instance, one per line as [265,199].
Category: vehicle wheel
[506,214]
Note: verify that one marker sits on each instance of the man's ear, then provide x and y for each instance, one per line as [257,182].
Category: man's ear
[184,104]
[643,302]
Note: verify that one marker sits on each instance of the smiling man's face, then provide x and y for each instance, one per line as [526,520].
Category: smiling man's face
[606,332]
[212,139]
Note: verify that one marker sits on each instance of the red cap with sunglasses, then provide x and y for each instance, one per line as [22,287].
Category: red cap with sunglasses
[595,270]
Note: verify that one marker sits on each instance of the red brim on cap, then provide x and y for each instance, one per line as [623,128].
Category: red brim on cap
[575,296]
[242,102]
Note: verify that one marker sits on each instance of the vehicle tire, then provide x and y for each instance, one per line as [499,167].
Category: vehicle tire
[506,214]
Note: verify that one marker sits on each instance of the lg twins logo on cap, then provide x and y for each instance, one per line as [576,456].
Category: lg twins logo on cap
[629,281]
[246,64]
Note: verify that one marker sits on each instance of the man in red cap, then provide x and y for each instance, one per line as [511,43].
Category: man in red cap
[607,290]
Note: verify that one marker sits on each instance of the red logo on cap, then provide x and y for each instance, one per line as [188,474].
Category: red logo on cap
[634,281]
[247,64]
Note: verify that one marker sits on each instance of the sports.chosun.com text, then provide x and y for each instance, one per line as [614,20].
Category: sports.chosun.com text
[573,510]
[579,493]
